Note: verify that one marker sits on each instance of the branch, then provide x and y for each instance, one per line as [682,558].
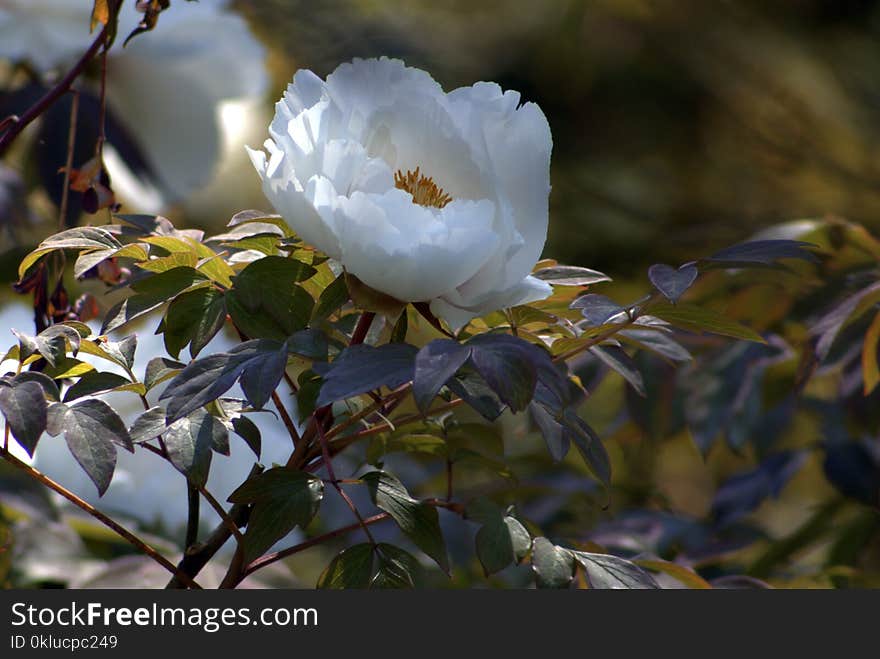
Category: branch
[16,127]
[104,519]
[268,559]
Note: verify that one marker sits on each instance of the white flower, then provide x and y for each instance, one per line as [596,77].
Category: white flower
[423,195]
[168,86]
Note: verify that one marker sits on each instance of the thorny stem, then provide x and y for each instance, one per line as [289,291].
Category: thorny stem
[16,127]
[104,519]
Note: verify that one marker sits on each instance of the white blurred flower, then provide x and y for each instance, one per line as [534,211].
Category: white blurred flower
[423,195]
[171,87]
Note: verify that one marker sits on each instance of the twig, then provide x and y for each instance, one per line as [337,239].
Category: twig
[104,519]
[328,463]
[268,559]
[52,95]
[68,165]
[288,421]
[363,326]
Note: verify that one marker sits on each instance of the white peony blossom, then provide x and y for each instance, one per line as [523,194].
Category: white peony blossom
[422,195]
[169,86]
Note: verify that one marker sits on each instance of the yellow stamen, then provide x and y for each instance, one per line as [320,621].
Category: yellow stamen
[422,188]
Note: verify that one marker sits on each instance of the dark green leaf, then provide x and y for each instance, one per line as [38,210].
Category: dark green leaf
[265,301]
[501,540]
[351,568]
[659,342]
[419,521]
[361,368]
[620,362]
[764,252]
[93,383]
[569,275]
[606,571]
[506,364]
[476,393]
[589,445]
[309,343]
[151,293]
[396,568]
[331,298]
[148,425]
[206,379]
[670,282]
[248,431]
[91,430]
[557,440]
[47,383]
[597,309]
[435,364]
[190,442]
[193,317]
[283,498]
[160,369]
[24,406]
[553,566]
[699,319]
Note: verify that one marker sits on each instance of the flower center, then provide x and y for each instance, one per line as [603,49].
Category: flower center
[422,188]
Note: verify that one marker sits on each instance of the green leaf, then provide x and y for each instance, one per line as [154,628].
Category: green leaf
[283,498]
[672,282]
[194,317]
[698,319]
[24,406]
[248,431]
[94,382]
[678,572]
[569,275]
[419,521]
[553,566]
[151,293]
[92,429]
[332,297]
[507,366]
[606,571]
[427,444]
[501,540]
[78,238]
[50,389]
[260,363]
[621,363]
[589,445]
[557,440]
[351,568]
[160,369]
[148,425]
[361,368]
[265,301]
[396,568]
[435,365]
[763,252]
[597,309]
[190,442]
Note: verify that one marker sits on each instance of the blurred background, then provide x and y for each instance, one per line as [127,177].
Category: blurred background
[679,127]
